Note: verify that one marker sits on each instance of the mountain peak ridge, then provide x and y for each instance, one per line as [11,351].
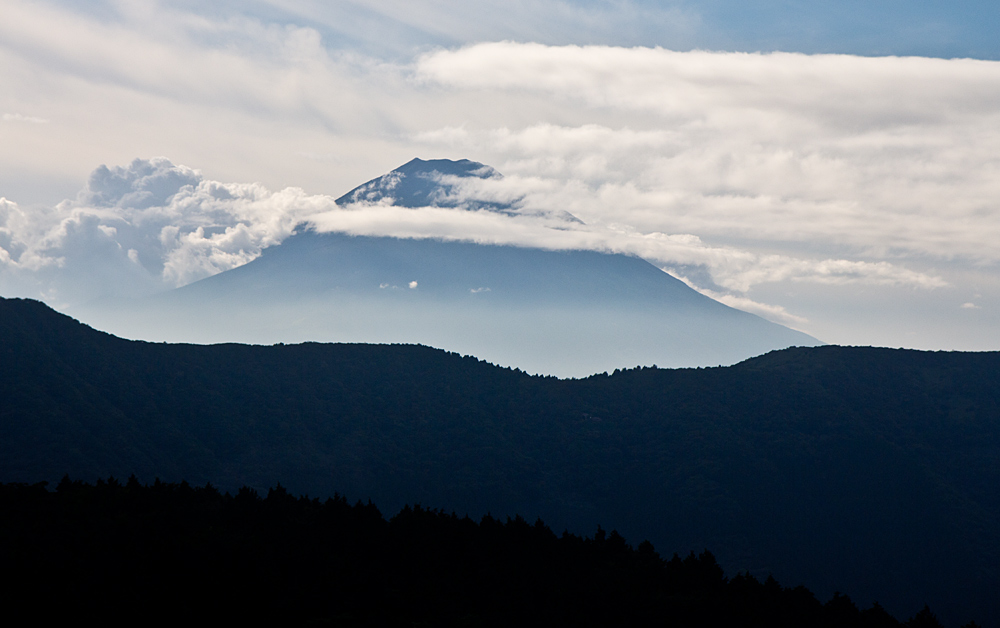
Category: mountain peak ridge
[446,183]
[426,183]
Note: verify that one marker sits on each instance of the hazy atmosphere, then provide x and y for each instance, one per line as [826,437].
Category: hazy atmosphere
[835,169]
[600,312]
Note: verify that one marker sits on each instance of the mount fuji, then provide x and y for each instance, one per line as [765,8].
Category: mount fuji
[565,313]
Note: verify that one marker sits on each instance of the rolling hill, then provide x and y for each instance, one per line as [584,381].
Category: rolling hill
[868,471]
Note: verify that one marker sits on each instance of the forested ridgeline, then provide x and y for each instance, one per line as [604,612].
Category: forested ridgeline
[161,553]
[869,471]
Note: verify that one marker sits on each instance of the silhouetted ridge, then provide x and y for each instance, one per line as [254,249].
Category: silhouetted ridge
[868,471]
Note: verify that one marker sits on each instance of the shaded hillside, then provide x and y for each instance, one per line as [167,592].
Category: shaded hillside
[869,471]
[171,552]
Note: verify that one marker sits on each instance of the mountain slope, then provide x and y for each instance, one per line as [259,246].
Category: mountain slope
[869,471]
[567,313]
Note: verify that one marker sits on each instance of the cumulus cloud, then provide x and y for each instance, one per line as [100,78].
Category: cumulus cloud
[143,184]
[138,229]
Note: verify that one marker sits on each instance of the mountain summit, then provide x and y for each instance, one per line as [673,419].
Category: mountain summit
[443,183]
[424,183]
[559,312]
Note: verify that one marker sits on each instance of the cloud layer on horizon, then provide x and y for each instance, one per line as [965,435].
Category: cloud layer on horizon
[737,171]
[153,225]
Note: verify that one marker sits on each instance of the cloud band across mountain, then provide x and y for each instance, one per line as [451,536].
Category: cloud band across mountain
[154,225]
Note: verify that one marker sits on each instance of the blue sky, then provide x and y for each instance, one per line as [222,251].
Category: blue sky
[831,166]
[896,27]
[962,28]
[879,27]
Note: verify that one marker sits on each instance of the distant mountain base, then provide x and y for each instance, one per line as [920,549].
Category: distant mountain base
[564,313]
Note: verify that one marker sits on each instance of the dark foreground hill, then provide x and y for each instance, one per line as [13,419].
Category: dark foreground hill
[869,471]
[165,554]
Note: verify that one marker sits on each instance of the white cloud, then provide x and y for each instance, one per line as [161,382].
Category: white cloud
[171,226]
[139,229]
[774,313]
[731,268]
[969,306]
[883,156]
[16,117]
[871,92]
